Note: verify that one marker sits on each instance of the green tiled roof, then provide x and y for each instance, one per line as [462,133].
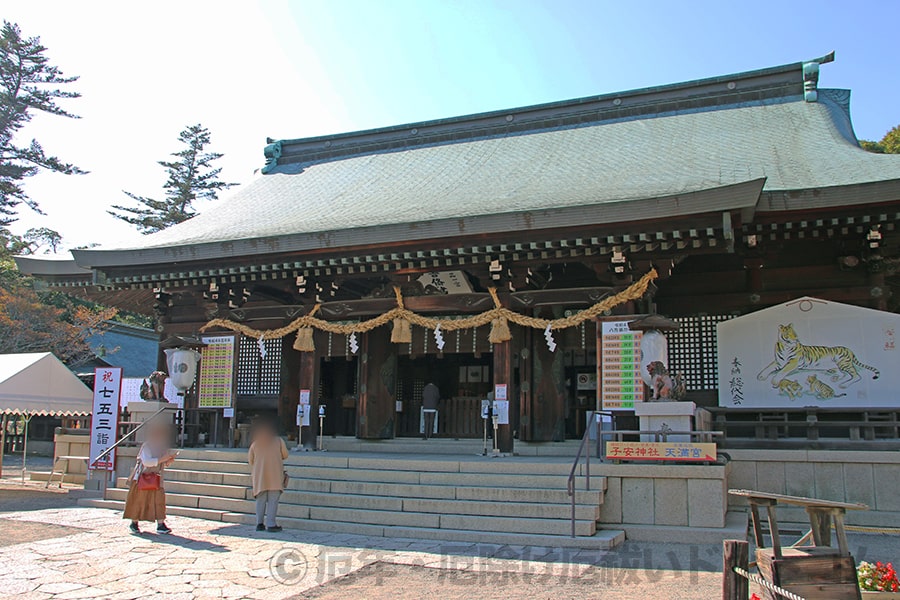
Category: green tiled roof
[574,155]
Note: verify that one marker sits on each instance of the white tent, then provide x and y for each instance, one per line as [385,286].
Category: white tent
[38,384]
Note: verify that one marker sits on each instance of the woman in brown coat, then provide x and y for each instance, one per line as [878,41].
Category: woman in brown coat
[146,499]
[266,458]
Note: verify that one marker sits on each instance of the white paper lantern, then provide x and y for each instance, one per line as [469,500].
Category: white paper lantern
[654,347]
[182,363]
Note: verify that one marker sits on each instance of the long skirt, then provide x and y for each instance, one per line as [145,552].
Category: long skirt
[145,505]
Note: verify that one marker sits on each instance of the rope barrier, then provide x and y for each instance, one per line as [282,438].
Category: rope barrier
[766,584]
[493,316]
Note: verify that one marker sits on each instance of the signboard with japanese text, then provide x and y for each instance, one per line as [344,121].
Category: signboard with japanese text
[809,352]
[216,380]
[303,409]
[619,366]
[105,416]
[445,282]
[662,451]
[131,390]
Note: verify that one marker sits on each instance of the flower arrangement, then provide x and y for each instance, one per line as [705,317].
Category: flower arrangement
[880,577]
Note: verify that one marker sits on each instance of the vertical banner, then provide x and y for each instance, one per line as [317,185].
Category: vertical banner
[619,366]
[105,416]
[216,379]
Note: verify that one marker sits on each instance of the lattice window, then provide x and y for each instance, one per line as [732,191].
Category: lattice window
[692,351]
[258,375]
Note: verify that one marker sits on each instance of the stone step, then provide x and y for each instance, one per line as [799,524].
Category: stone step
[236,462]
[601,540]
[604,539]
[445,446]
[182,511]
[402,516]
[230,485]
[554,482]
[468,501]
[199,489]
[215,466]
[233,479]
[446,492]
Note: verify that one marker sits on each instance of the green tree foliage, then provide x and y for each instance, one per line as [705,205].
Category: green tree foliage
[191,176]
[29,84]
[889,144]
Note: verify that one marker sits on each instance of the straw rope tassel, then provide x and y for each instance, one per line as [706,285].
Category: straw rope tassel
[304,341]
[499,326]
[402,331]
[499,331]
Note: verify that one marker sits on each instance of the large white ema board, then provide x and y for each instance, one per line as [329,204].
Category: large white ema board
[810,352]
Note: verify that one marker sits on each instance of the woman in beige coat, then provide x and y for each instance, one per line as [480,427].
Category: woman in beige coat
[266,458]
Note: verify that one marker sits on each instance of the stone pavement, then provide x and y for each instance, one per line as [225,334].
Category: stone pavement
[69,552]
[90,554]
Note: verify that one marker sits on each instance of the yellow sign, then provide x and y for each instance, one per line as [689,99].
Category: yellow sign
[663,451]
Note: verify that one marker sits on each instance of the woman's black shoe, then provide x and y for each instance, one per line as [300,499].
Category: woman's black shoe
[163,528]
[274,529]
[260,527]
[134,528]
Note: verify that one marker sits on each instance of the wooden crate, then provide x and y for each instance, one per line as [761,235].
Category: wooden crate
[810,572]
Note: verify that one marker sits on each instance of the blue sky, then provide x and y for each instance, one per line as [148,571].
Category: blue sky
[248,70]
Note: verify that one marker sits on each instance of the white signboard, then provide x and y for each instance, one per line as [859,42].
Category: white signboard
[809,352]
[105,416]
[131,390]
[303,409]
[501,409]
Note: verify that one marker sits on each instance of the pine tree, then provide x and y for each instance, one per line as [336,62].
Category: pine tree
[191,177]
[28,84]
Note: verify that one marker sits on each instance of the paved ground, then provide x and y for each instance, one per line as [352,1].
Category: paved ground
[52,549]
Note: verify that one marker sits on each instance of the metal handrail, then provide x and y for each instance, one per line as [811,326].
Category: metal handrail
[106,452]
[570,486]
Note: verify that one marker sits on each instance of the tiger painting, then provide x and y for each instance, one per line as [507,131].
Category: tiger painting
[820,390]
[791,356]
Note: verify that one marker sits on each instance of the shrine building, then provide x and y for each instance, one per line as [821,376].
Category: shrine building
[742,191]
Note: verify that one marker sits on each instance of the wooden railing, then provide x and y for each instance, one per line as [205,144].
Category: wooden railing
[811,426]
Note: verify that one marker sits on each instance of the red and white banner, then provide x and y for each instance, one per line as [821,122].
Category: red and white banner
[105,416]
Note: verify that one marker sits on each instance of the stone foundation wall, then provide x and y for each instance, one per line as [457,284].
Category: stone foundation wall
[665,495]
[872,478]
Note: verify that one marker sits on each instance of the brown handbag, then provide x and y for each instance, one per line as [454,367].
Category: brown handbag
[148,482]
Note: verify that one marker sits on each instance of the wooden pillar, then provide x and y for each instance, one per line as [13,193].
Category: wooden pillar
[377,385]
[735,553]
[503,372]
[879,300]
[309,380]
[548,391]
[290,386]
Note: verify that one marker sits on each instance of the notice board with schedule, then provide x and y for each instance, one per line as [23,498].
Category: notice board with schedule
[618,365]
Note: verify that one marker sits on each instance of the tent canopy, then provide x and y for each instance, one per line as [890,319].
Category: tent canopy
[39,384]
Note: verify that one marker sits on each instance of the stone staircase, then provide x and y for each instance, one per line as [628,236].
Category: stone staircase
[517,501]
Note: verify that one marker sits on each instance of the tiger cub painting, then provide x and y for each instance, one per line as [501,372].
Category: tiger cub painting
[820,390]
[792,356]
[790,388]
